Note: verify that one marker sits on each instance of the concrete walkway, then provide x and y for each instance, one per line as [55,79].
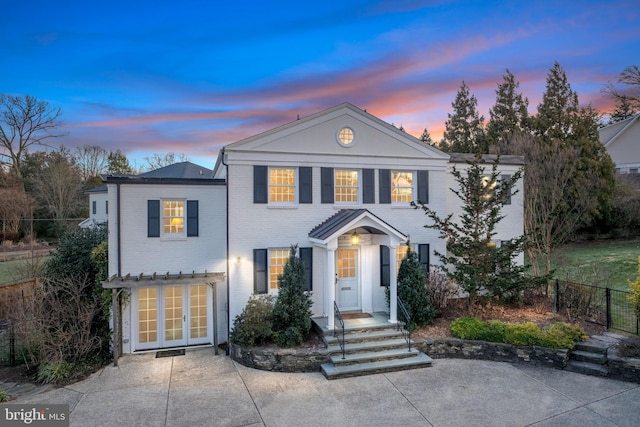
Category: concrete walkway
[201,389]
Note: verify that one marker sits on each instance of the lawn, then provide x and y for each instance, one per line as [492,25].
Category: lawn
[608,263]
[10,269]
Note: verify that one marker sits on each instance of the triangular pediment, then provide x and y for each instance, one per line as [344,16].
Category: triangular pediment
[347,219]
[319,134]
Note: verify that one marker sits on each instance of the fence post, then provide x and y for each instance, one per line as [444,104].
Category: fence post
[12,346]
[608,304]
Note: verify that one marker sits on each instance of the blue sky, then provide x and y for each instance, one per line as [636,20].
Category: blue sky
[189,77]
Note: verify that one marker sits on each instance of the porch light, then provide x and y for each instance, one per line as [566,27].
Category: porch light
[355,238]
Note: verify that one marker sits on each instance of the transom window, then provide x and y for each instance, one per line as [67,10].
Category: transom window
[277,260]
[173,217]
[401,187]
[346,186]
[282,185]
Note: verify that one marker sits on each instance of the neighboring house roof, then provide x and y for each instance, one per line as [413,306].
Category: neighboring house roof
[186,170]
[347,218]
[101,189]
[610,133]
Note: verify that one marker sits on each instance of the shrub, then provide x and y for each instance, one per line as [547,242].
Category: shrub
[522,333]
[254,326]
[4,396]
[558,335]
[440,288]
[55,372]
[413,291]
[634,287]
[292,310]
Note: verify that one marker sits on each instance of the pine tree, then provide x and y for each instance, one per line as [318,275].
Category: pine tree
[426,138]
[292,310]
[413,292]
[558,107]
[509,114]
[464,129]
[472,259]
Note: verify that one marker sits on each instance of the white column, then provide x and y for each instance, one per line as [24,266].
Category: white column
[393,286]
[331,284]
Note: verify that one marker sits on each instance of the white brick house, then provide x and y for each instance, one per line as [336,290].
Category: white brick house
[337,184]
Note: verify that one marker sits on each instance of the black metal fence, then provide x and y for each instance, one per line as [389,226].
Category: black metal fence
[608,307]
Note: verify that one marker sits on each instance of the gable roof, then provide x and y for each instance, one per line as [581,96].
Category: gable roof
[101,189]
[346,219]
[610,133]
[185,170]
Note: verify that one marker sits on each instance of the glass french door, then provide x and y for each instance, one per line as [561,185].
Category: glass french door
[173,316]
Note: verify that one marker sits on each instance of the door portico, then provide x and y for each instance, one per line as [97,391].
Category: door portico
[351,240]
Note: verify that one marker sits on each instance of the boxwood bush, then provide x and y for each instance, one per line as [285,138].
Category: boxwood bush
[558,335]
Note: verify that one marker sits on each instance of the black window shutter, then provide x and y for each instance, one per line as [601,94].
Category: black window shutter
[423,256]
[106,207]
[306,256]
[192,218]
[423,186]
[153,218]
[260,271]
[384,185]
[305,185]
[93,206]
[260,187]
[368,186]
[326,185]
[385,266]
[507,179]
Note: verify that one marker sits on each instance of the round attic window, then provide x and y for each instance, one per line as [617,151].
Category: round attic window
[345,136]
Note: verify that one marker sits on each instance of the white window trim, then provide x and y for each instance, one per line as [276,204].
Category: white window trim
[296,182]
[414,188]
[173,236]
[270,290]
[359,194]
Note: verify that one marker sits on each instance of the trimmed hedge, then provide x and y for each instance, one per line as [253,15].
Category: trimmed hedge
[558,335]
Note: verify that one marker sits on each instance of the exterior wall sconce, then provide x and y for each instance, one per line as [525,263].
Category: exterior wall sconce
[238,260]
[355,238]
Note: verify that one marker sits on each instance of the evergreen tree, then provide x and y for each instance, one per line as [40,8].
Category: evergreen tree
[118,163]
[623,110]
[509,114]
[464,129]
[560,120]
[292,310]
[413,292]
[472,259]
[426,138]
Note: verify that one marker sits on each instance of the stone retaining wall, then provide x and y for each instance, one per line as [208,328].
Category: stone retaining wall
[439,348]
[622,368]
[277,359]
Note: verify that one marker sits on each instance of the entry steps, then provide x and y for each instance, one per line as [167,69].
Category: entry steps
[370,350]
[590,357]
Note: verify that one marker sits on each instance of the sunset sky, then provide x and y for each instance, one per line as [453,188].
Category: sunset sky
[192,76]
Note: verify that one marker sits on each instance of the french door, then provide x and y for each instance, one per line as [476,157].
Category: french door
[172,316]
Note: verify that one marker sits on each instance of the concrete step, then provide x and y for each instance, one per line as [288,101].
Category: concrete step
[330,371]
[373,356]
[376,335]
[587,356]
[592,346]
[587,368]
[368,346]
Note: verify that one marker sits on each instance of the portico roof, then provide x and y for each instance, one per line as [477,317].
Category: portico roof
[347,219]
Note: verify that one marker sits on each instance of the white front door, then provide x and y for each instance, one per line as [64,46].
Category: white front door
[348,283]
[173,316]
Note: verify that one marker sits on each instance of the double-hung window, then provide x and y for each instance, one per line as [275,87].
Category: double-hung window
[282,185]
[173,218]
[401,187]
[347,186]
[401,253]
[277,260]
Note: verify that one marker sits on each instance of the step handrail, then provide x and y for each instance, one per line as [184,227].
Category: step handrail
[338,316]
[404,322]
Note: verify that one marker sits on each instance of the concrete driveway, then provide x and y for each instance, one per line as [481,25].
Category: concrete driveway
[201,389]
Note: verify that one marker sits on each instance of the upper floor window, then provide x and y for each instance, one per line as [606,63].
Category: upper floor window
[173,218]
[282,185]
[401,187]
[347,186]
[345,136]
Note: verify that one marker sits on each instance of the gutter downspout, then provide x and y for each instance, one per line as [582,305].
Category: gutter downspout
[222,154]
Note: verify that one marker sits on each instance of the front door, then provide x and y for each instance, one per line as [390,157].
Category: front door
[173,316]
[347,286]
